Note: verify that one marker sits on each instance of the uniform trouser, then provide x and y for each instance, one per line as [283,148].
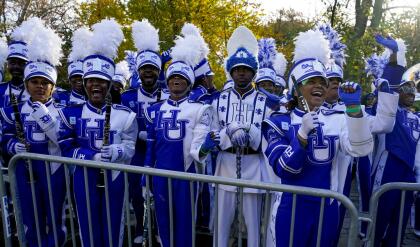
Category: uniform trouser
[137,200]
[306,221]
[226,213]
[363,172]
[45,218]
[182,212]
[98,207]
[386,232]
[417,212]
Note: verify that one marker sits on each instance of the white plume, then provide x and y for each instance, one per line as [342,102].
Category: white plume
[80,44]
[3,52]
[191,29]
[122,69]
[45,46]
[280,64]
[187,50]
[25,32]
[145,36]
[242,37]
[107,37]
[311,44]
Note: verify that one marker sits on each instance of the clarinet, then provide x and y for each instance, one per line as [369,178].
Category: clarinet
[106,133]
[19,130]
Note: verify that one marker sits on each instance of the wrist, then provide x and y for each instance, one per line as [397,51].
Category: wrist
[354,110]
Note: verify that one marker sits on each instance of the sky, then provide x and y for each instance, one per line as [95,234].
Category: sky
[311,8]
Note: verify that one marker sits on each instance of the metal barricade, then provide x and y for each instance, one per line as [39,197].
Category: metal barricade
[170,175]
[403,187]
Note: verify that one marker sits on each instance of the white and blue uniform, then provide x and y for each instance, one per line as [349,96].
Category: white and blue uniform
[397,159]
[19,91]
[251,108]
[138,100]
[175,133]
[315,166]
[81,137]
[41,142]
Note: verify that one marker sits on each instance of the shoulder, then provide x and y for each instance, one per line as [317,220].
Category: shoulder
[72,109]
[3,87]
[129,93]
[332,112]
[121,108]
[278,121]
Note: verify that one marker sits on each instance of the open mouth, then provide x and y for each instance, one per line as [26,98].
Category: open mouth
[317,93]
[96,92]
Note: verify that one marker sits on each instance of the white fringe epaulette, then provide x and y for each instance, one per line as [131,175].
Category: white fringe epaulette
[311,44]
[145,36]
[81,41]
[45,46]
[107,37]
[242,37]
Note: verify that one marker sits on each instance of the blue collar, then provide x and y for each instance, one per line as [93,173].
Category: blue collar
[20,87]
[48,103]
[176,103]
[328,105]
[150,95]
[77,95]
[298,112]
[245,94]
[94,109]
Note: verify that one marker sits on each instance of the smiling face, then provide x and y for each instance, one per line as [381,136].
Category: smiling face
[148,75]
[178,87]
[268,86]
[331,95]
[16,67]
[76,82]
[39,88]
[96,90]
[314,91]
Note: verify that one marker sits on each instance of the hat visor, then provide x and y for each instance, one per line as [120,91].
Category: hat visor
[96,76]
[241,64]
[40,75]
[18,56]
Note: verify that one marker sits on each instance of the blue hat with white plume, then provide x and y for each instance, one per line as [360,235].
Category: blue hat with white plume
[203,68]
[242,50]
[107,37]
[3,57]
[80,48]
[146,40]
[20,39]
[44,52]
[185,56]
[280,66]
[311,54]
[122,73]
[266,57]
[338,56]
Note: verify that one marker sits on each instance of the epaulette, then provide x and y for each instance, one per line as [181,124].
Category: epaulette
[121,107]
[129,92]
[196,101]
[328,112]
[58,105]
[279,121]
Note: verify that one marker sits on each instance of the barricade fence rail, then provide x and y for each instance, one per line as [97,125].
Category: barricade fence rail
[170,176]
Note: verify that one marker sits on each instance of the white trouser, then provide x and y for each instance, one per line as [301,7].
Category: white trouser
[226,213]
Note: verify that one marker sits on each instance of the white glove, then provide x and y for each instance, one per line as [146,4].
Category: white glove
[309,122]
[19,148]
[42,116]
[97,157]
[240,138]
[111,153]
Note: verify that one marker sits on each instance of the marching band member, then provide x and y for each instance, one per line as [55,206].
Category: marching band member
[85,130]
[38,119]
[397,157]
[239,113]
[303,145]
[177,135]
[148,65]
